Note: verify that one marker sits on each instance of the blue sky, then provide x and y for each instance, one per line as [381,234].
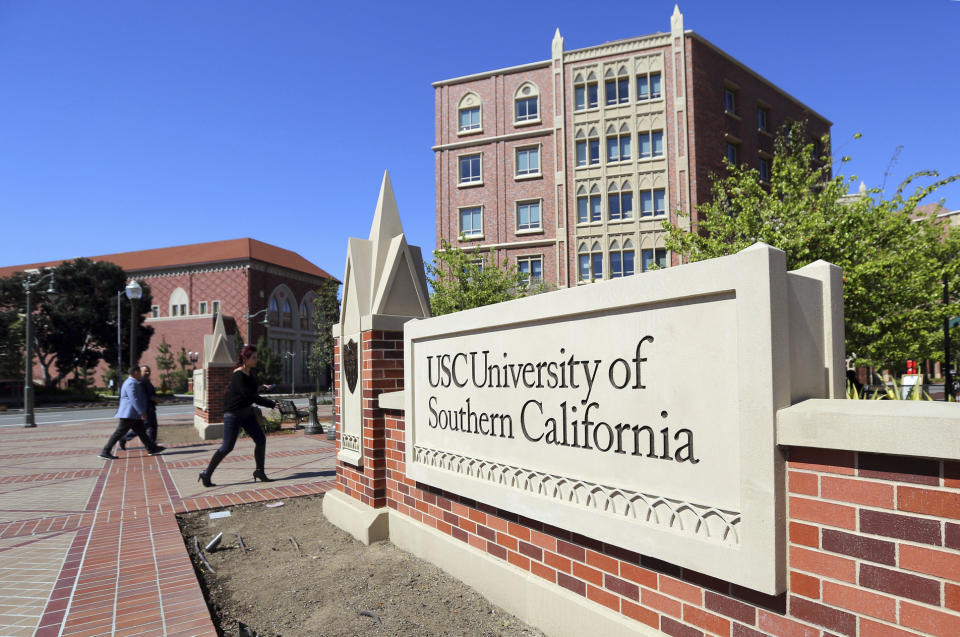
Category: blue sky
[135,125]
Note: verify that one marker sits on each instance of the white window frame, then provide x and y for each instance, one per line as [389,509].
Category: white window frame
[650,97]
[460,233]
[215,307]
[653,203]
[202,307]
[473,182]
[473,129]
[586,95]
[532,229]
[516,162]
[155,311]
[529,259]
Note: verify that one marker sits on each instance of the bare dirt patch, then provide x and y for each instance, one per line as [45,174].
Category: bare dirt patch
[321,586]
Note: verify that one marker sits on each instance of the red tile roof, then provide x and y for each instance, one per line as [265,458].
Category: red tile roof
[195,254]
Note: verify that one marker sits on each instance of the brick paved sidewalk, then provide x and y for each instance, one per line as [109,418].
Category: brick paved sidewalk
[92,547]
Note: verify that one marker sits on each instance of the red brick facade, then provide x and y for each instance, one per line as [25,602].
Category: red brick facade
[874,540]
[693,77]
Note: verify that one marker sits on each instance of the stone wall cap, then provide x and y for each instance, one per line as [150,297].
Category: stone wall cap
[902,428]
[393,400]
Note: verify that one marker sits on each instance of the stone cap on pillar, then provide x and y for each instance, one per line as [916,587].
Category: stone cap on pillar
[217,350]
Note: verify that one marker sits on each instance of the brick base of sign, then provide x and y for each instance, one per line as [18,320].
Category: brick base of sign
[873,548]
[209,422]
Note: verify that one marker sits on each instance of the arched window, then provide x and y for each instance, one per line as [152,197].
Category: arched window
[590,261]
[588,149]
[617,86]
[469,113]
[588,205]
[274,311]
[621,259]
[620,201]
[618,144]
[179,303]
[584,92]
[526,103]
[286,317]
[304,316]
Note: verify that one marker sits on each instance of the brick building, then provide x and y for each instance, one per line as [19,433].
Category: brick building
[190,284]
[568,167]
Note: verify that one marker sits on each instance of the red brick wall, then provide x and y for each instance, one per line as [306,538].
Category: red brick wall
[874,541]
[216,381]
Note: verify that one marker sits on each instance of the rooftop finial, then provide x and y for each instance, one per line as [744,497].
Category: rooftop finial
[557,44]
[676,20]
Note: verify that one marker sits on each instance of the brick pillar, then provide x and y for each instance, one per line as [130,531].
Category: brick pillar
[381,371]
[218,377]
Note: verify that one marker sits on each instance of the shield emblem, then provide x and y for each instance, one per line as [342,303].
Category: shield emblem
[350,364]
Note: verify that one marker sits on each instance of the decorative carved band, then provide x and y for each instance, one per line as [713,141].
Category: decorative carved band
[349,441]
[705,522]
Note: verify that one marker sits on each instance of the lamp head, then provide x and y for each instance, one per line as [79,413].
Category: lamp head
[133,290]
[51,290]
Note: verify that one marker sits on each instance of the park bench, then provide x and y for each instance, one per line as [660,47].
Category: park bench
[288,410]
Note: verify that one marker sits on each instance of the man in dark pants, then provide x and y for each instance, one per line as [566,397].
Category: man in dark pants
[132,413]
[151,394]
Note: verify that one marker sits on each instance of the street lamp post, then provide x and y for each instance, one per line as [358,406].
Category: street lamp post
[293,371]
[249,316]
[28,287]
[134,292]
[119,341]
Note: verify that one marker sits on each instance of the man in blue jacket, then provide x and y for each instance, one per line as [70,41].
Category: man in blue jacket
[132,413]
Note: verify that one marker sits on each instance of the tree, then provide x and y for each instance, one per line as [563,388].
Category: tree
[326,313]
[463,280]
[165,364]
[11,344]
[77,328]
[269,364]
[892,262]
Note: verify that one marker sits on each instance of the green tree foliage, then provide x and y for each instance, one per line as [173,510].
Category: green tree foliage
[77,327]
[326,313]
[463,280]
[892,262]
[165,365]
[11,344]
[269,364]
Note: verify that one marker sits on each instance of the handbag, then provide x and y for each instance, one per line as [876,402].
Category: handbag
[261,419]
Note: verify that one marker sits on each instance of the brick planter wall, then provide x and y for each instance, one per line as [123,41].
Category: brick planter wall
[874,540]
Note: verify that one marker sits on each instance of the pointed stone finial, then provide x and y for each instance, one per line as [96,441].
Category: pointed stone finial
[863,189]
[216,347]
[557,45]
[676,20]
[386,226]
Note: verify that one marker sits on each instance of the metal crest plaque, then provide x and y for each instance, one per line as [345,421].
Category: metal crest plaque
[350,366]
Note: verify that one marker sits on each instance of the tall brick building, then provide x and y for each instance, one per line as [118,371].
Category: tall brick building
[192,283]
[568,167]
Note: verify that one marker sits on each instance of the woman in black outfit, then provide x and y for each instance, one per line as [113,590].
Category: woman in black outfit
[237,413]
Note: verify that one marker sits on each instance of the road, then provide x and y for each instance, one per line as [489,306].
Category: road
[71,417]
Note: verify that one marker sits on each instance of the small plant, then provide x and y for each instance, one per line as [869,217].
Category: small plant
[887,392]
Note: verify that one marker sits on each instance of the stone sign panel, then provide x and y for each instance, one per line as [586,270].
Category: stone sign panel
[199,389]
[637,411]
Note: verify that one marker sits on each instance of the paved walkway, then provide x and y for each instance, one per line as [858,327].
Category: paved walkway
[92,547]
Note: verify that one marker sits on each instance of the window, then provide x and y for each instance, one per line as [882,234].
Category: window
[470,169]
[654,258]
[202,309]
[617,89]
[469,114]
[651,144]
[179,302]
[286,317]
[178,310]
[155,311]
[588,150]
[216,307]
[585,92]
[528,161]
[730,100]
[653,202]
[590,262]
[588,206]
[763,118]
[528,215]
[648,86]
[732,152]
[764,169]
[620,201]
[621,259]
[273,314]
[304,316]
[531,268]
[471,222]
[618,147]
[528,109]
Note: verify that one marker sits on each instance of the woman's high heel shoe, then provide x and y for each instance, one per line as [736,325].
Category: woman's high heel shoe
[261,475]
[205,479]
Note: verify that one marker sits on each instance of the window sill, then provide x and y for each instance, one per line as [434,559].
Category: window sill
[733,115]
[470,184]
[473,237]
[653,158]
[589,224]
[531,231]
[591,109]
[765,132]
[654,217]
[467,133]
[530,176]
[625,220]
[650,100]
[526,122]
[586,166]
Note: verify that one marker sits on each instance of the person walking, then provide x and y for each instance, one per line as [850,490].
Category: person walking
[151,423]
[132,413]
[238,414]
